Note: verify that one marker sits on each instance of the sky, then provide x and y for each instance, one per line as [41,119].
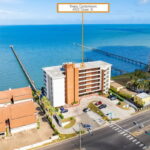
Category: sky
[32,12]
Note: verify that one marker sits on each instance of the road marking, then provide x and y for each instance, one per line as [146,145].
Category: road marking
[114,128]
[134,140]
[122,132]
[130,138]
[145,147]
[111,125]
[125,134]
[137,143]
[119,131]
[141,145]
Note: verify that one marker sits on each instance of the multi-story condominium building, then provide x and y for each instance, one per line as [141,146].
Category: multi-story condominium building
[65,84]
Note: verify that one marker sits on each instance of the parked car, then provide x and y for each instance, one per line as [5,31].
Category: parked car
[98,103]
[63,110]
[112,97]
[87,126]
[102,106]
[86,109]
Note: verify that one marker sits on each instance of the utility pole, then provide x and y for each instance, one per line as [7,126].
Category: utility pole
[149,64]
[80,136]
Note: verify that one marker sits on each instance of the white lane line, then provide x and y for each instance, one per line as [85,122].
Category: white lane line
[119,131]
[137,143]
[134,140]
[130,138]
[145,147]
[125,134]
[114,128]
[122,132]
[111,125]
[141,145]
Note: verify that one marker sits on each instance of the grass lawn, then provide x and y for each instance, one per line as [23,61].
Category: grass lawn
[121,105]
[66,136]
[71,120]
[122,79]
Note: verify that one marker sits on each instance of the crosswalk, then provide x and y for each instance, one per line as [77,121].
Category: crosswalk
[126,134]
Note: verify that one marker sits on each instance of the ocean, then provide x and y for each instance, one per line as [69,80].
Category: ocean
[40,46]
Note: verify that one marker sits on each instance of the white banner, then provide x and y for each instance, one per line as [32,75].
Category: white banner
[83,7]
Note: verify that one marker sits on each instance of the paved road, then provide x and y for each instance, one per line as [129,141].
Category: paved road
[112,137]
[103,139]
[143,118]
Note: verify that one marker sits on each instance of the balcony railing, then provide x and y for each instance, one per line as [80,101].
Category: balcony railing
[90,79]
[88,88]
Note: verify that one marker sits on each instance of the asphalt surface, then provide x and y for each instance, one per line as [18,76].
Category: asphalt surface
[143,118]
[112,137]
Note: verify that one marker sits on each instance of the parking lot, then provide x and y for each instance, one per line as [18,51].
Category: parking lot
[113,111]
[111,108]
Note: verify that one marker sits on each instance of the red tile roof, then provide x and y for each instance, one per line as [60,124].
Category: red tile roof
[20,114]
[16,94]
[2,127]
[22,110]
[22,93]
[5,97]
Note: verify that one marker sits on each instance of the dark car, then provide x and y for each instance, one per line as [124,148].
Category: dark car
[86,109]
[98,103]
[102,106]
[112,97]
[63,110]
[87,126]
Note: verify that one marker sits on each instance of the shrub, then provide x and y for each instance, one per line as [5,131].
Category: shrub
[71,118]
[56,109]
[61,116]
[119,103]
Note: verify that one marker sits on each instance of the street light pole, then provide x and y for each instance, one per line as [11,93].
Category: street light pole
[80,135]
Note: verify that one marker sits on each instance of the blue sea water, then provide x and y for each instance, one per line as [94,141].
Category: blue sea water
[47,45]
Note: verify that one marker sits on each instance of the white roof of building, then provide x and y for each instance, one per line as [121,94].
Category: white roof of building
[143,95]
[94,64]
[57,71]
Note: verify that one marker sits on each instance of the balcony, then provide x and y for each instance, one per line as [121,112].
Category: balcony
[89,83]
[89,79]
[89,92]
[86,70]
[90,75]
[91,87]
[90,71]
